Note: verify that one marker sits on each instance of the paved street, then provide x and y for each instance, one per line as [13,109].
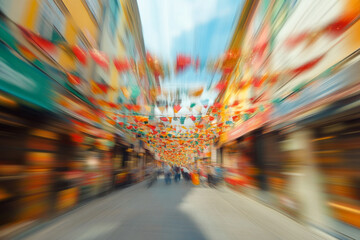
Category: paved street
[176,211]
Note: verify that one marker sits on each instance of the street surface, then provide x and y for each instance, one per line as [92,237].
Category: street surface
[176,211]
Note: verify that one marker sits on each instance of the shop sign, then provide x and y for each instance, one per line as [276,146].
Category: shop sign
[23,80]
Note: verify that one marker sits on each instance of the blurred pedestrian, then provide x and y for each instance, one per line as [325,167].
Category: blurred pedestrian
[153,173]
[167,173]
[211,176]
[186,174]
[176,173]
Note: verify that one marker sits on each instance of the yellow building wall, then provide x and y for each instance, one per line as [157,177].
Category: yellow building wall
[78,20]
[30,17]
[66,60]
[82,18]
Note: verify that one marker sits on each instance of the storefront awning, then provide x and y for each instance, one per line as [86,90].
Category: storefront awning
[24,81]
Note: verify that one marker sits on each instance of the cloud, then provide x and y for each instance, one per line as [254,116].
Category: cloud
[164,20]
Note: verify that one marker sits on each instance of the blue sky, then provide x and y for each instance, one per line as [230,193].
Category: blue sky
[199,28]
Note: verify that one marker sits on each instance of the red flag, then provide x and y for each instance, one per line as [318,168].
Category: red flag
[220,86]
[136,108]
[307,66]
[182,62]
[217,105]
[128,106]
[121,65]
[113,105]
[256,82]
[73,79]
[43,43]
[103,87]
[152,127]
[339,26]
[100,58]
[92,100]
[294,41]
[177,108]
[80,54]
[235,103]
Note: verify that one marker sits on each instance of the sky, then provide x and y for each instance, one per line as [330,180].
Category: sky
[191,26]
[199,28]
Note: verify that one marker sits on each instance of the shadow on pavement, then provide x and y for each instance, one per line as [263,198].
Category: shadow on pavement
[145,213]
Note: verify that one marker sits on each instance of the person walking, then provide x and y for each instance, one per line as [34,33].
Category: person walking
[167,173]
[153,173]
[186,174]
[176,173]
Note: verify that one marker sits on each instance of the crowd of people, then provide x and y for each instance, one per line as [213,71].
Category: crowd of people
[210,175]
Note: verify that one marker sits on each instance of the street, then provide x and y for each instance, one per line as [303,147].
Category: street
[176,211]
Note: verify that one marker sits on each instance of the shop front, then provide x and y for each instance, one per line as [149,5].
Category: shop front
[121,151]
[336,149]
[242,155]
[34,144]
